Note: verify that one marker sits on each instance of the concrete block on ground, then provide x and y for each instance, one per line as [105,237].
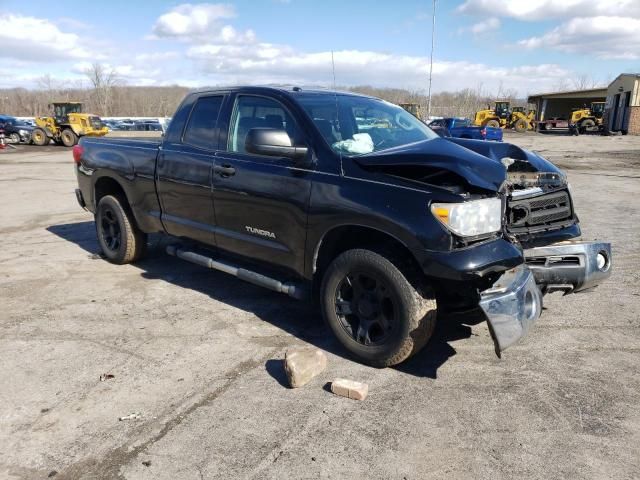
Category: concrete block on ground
[350,388]
[302,364]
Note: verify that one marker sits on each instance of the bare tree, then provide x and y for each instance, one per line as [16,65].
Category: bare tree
[103,79]
[561,85]
[584,82]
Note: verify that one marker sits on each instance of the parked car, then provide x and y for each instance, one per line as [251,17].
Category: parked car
[440,130]
[147,126]
[15,130]
[463,128]
[350,200]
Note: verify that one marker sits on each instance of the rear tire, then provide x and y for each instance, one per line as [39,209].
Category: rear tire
[373,310]
[68,137]
[39,137]
[521,126]
[14,137]
[492,123]
[587,125]
[118,235]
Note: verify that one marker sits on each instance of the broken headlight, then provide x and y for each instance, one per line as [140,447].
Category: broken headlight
[537,179]
[472,218]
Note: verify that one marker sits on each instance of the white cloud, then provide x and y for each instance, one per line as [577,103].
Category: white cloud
[200,22]
[489,25]
[38,39]
[535,10]
[141,73]
[267,63]
[156,56]
[604,37]
[211,52]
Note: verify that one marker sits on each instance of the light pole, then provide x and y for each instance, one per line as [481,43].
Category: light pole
[433,35]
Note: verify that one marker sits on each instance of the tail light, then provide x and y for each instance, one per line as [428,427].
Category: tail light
[483,132]
[78,150]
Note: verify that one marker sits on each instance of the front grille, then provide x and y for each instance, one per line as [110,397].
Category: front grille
[549,210]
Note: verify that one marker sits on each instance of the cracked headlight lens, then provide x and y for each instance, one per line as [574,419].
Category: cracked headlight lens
[470,219]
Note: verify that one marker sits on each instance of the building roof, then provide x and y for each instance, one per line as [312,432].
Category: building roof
[586,93]
[637,75]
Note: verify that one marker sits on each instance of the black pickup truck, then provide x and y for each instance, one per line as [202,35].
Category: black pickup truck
[349,200]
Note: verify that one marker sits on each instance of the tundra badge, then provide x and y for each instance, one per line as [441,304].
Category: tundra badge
[258,231]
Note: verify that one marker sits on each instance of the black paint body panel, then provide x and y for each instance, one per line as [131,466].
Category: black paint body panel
[277,211]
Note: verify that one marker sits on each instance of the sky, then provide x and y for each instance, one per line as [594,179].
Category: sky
[526,46]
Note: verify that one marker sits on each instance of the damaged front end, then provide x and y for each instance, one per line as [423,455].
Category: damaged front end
[540,217]
[539,224]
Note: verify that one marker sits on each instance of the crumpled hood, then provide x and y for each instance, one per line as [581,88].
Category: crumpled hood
[476,169]
[499,150]
[477,161]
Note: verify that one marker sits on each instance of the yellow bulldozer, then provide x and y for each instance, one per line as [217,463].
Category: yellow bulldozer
[67,125]
[413,108]
[503,116]
[587,119]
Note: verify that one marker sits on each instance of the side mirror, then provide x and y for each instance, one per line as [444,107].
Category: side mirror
[273,142]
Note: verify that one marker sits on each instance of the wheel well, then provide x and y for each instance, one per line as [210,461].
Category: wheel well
[109,186]
[347,237]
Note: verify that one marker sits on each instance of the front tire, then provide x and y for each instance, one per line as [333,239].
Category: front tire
[374,310]
[39,137]
[118,235]
[68,137]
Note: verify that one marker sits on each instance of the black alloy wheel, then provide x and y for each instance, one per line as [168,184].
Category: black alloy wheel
[366,308]
[375,312]
[110,229]
[119,237]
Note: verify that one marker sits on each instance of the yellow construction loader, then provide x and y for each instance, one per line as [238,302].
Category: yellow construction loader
[587,119]
[67,125]
[413,108]
[503,116]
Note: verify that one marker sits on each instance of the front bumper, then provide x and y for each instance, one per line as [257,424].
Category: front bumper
[511,306]
[570,266]
[514,302]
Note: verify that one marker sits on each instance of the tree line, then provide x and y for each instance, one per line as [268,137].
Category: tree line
[107,96]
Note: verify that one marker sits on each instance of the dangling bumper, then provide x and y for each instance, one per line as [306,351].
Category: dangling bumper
[514,302]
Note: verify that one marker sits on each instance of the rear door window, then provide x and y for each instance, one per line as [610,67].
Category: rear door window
[201,129]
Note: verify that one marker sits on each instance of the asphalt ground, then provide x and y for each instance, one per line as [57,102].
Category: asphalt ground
[197,354]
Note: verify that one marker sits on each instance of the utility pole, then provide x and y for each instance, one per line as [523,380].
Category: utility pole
[433,36]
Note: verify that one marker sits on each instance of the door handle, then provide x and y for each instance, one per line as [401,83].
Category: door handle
[224,170]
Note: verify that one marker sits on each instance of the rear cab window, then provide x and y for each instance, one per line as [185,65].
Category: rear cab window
[201,130]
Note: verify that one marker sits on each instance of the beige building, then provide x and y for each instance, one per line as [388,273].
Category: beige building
[561,104]
[622,110]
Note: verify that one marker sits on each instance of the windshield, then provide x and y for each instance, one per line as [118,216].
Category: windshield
[62,109]
[359,125]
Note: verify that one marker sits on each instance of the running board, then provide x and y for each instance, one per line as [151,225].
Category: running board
[241,273]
